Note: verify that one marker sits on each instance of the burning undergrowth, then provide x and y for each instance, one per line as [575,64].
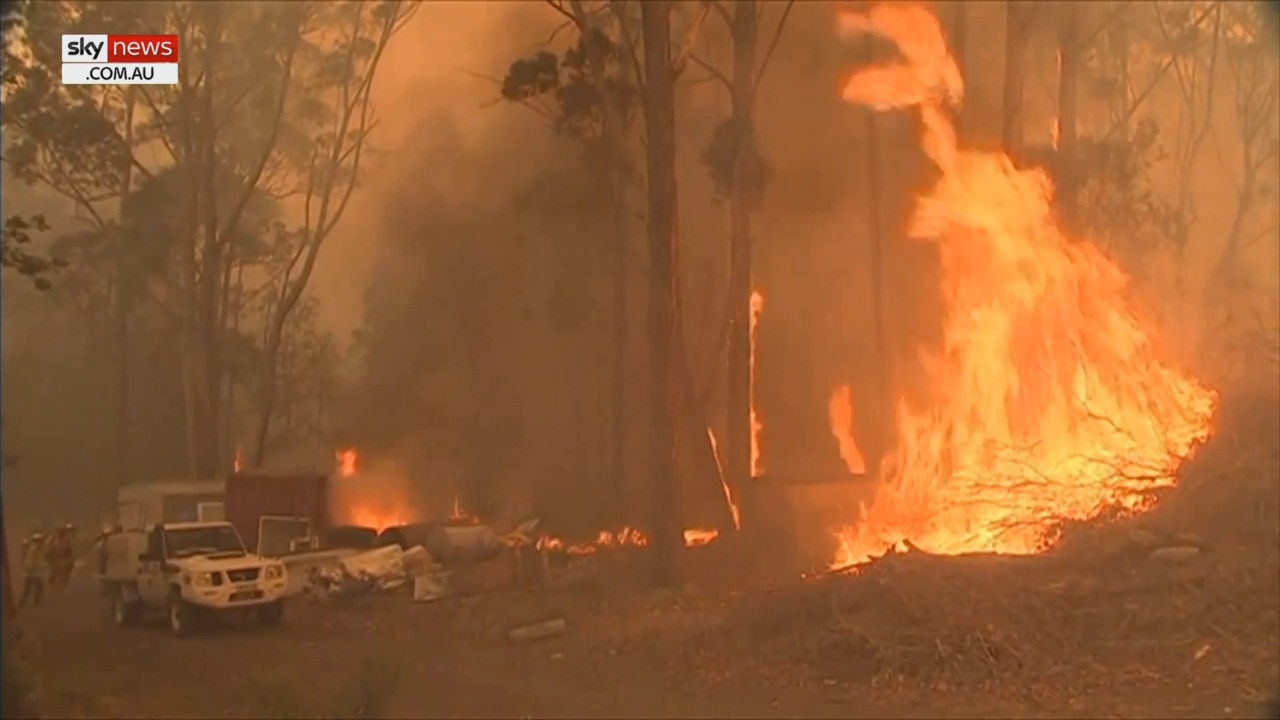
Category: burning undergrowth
[1187,592]
[1047,399]
[382,497]
[1052,532]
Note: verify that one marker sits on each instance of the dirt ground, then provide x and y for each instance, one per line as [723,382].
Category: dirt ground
[1171,613]
[628,654]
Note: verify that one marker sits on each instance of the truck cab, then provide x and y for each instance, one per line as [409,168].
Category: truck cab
[191,571]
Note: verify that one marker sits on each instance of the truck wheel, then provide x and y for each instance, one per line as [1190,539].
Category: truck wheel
[181,619]
[271,615]
[126,611]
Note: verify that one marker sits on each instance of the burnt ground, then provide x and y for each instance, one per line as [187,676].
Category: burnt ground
[677,654]
[382,656]
[1173,613]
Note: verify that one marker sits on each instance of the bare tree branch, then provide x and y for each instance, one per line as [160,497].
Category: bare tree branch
[728,84]
[773,45]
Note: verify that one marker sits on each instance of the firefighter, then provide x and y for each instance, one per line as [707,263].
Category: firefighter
[61,556]
[33,570]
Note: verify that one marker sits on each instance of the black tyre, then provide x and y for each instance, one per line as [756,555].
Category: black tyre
[180,617]
[125,610]
[393,536]
[271,615]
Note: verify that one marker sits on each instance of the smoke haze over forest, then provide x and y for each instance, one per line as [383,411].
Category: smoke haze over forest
[465,298]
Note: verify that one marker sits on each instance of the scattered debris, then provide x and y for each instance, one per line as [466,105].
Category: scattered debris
[384,569]
[430,587]
[1175,555]
[538,631]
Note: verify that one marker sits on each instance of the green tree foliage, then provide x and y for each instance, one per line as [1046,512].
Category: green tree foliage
[175,241]
[14,244]
[721,156]
[562,89]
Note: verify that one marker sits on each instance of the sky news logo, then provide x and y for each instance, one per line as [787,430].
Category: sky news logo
[119,59]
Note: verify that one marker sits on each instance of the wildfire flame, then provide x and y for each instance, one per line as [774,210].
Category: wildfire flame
[364,516]
[724,485]
[458,515]
[364,511]
[757,307]
[626,537]
[346,462]
[1048,401]
[840,412]
[606,539]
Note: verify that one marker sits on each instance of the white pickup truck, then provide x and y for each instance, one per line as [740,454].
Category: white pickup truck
[191,571]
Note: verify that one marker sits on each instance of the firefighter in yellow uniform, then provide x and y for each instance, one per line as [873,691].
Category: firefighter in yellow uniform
[60,556]
[33,566]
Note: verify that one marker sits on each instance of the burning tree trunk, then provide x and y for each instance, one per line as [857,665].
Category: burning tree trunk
[739,440]
[1068,81]
[659,117]
[1017,22]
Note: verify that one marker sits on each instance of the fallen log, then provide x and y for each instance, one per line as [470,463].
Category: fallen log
[538,631]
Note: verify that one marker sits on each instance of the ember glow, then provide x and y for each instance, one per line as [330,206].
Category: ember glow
[626,537]
[458,514]
[346,462]
[606,539]
[367,517]
[1047,399]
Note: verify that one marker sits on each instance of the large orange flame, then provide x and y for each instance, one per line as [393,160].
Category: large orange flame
[1047,399]
[363,507]
[757,307]
[840,412]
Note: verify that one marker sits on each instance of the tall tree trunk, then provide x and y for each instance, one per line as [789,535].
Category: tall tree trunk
[230,434]
[1068,82]
[613,155]
[10,607]
[660,121]
[1015,47]
[618,444]
[213,260]
[190,230]
[738,460]
[122,309]
[1118,44]
[268,377]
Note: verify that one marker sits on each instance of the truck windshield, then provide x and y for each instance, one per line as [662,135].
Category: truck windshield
[202,541]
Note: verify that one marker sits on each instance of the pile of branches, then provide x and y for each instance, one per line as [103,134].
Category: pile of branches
[1191,586]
